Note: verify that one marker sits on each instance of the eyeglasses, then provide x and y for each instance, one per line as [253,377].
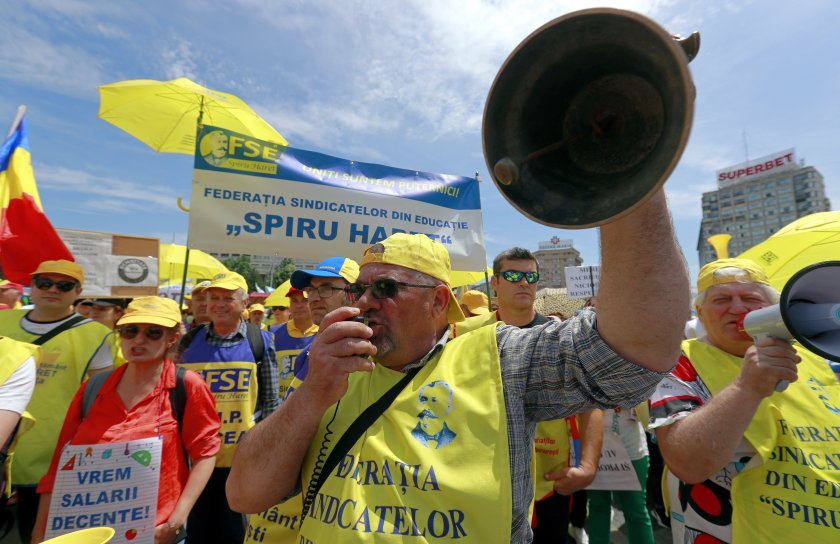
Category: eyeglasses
[129,332]
[65,286]
[381,289]
[324,291]
[515,276]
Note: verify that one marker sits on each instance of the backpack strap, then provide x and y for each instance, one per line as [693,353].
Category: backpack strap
[44,338]
[255,340]
[92,387]
[178,396]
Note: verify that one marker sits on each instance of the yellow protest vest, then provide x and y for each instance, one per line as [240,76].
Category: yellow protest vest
[63,367]
[12,356]
[415,478]
[551,452]
[474,322]
[231,375]
[280,524]
[792,494]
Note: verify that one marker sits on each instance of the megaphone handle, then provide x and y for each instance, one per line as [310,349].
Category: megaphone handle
[781,385]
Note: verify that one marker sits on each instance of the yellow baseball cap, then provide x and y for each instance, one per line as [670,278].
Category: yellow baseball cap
[417,252]
[64,267]
[256,308]
[199,287]
[152,310]
[476,302]
[230,281]
[710,276]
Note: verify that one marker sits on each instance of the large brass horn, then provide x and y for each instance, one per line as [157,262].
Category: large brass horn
[588,116]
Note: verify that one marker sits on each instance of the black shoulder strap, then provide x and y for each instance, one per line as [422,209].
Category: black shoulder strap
[255,340]
[178,396]
[44,338]
[352,434]
[92,387]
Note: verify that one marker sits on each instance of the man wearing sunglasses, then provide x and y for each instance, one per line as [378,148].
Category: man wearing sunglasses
[325,291]
[503,380]
[75,348]
[515,280]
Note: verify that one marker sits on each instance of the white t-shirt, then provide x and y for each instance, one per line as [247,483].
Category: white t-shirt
[101,359]
[16,392]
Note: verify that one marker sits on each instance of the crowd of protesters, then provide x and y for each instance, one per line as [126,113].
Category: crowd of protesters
[377,406]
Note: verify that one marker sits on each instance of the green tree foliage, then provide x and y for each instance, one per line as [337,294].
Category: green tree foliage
[242,265]
[281,272]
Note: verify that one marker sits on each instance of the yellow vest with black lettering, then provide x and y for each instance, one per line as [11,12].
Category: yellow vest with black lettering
[12,356]
[793,493]
[414,478]
[551,452]
[64,364]
[231,375]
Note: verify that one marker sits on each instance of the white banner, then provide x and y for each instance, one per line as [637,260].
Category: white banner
[108,485]
[582,281]
[131,271]
[254,197]
[615,471]
[769,164]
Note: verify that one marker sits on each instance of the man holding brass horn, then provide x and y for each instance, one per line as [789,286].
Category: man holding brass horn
[345,438]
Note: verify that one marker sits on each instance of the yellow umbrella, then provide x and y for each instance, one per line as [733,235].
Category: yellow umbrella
[164,114]
[460,278]
[278,297]
[808,240]
[201,265]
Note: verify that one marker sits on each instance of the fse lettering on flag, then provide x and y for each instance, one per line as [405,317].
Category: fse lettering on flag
[26,235]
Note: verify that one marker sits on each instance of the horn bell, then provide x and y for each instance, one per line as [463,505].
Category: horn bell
[588,117]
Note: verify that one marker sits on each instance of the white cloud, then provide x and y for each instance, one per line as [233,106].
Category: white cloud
[31,60]
[111,193]
[422,67]
[179,61]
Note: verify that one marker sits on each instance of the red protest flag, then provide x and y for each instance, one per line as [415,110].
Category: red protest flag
[26,236]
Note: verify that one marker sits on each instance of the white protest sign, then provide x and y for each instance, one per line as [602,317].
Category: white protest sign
[255,197]
[615,471]
[90,249]
[582,281]
[107,485]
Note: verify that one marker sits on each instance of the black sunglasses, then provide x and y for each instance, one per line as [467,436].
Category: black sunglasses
[65,286]
[129,332]
[381,289]
[515,276]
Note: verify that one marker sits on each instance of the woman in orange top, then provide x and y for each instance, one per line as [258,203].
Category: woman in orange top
[134,403]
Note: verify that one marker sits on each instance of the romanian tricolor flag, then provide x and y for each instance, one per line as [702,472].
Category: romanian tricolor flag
[26,235]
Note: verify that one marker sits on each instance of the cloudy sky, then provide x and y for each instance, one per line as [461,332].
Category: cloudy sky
[396,83]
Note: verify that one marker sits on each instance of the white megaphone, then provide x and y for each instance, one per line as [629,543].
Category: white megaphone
[808,312]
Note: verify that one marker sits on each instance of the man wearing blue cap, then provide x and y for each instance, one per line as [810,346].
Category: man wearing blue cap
[325,290]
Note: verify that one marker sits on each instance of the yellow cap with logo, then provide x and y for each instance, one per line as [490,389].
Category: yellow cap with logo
[230,281]
[62,266]
[417,252]
[152,310]
[711,273]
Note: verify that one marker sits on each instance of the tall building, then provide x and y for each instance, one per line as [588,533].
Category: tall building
[756,198]
[554,256]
